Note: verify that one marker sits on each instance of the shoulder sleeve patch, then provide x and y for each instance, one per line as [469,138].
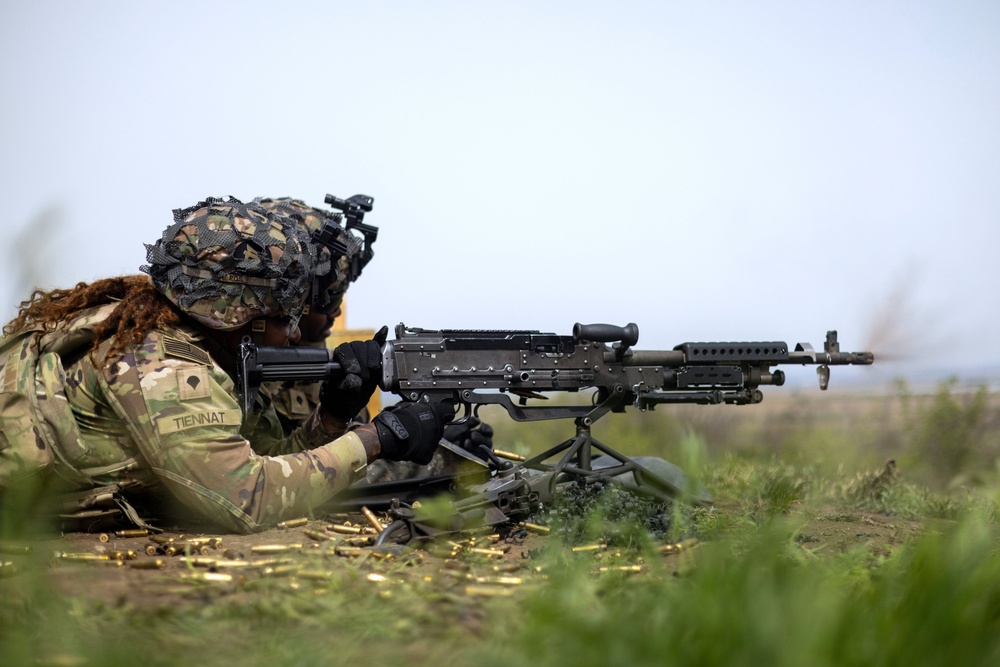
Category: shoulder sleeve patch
[193,383]
[174,347]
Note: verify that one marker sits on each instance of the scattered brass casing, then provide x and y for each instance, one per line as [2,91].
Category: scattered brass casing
[293,523]
[149,564]
[677,547]
[490,553]
[510,456]
[139,532]
[506,567]
[350,551]
[216,577]
[535,528]
[315,535]
[14,549]
[488,591]
[344,529]
[199,561]
[372,519]
[621,568]
[274,548]
[500,581]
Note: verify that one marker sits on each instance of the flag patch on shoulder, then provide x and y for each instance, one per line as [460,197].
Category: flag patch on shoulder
[174,347]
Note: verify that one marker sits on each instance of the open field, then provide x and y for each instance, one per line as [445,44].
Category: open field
[815,552]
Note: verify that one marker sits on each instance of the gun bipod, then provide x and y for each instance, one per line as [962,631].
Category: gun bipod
[576,463]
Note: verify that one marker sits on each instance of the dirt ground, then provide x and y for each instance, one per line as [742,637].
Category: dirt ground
[140,573]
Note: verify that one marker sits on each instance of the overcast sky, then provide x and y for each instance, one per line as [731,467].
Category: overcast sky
[710,171]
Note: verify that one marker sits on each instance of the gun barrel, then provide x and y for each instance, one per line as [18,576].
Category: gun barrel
[740,353]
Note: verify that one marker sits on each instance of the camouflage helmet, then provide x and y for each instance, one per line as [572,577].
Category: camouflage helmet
[225,263]
[332,269]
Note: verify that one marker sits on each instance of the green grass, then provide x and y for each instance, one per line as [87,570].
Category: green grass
[764,586]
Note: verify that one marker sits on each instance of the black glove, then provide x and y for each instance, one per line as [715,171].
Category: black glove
[470,436]
[411,432]
[361,362]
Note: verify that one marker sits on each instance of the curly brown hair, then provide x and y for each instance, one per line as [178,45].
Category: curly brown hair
[141,308]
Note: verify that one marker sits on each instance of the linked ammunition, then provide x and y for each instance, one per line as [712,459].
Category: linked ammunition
[372,519]
[535,528]
[314,535]
[138,532]
[149,564]
[293,523]
[274,548]
[343,529]
[510,456]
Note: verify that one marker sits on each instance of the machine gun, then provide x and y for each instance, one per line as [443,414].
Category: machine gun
[472,368]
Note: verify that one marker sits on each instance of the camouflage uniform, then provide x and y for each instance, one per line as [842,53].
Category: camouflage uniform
[164,415]
[166,410]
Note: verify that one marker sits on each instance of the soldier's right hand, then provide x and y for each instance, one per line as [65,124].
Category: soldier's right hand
[411,432]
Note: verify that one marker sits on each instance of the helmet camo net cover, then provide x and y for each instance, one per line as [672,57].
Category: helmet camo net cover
[225,263]
[333,275]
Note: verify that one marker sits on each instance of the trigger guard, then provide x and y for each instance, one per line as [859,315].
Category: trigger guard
[469,413]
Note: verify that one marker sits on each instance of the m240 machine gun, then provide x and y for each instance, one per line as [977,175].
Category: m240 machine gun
[515,369]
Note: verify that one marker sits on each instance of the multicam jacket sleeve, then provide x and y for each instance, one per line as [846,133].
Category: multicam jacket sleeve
[182,413]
